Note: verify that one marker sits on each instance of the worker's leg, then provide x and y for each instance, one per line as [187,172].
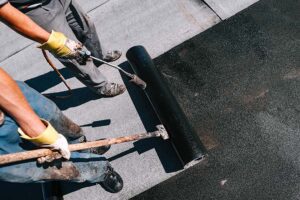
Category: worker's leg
[52,17]
[82,167]
[68,128]
[84,29]
[86,33]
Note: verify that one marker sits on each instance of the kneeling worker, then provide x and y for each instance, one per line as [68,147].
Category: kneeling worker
[30,120]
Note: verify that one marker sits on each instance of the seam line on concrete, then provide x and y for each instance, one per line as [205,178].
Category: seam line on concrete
[212,9]
[98,6]
[16,52]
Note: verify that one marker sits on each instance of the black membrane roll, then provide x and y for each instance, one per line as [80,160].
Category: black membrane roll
[183,137]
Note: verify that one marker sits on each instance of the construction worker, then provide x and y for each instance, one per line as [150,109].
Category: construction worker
[29,120]
[47,22]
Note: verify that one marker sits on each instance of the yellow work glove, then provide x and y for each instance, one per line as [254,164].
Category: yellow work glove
[61,46]
[50,139]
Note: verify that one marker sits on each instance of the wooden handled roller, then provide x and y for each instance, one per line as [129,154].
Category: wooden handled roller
[27,155]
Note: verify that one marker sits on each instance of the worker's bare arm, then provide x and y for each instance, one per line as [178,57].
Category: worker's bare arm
[55,42]
[22,24]
[15,104]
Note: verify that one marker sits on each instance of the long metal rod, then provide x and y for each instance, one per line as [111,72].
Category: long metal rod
[134,78]
[115,66]
[27,155]
[59,75]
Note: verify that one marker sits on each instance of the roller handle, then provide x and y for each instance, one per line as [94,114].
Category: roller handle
[134,78]
[27,155]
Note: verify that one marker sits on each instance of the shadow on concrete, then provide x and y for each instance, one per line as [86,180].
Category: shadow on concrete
[79,96]
[98,123]
[48,80]
[164,149]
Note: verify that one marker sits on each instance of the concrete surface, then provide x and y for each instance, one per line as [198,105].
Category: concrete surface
[239,85]
[227,8]
[157,25]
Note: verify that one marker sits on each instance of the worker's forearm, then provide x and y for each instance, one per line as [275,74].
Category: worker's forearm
[22,23]
[15,104]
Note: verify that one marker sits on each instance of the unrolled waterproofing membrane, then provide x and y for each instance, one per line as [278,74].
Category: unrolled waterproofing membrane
[183,137]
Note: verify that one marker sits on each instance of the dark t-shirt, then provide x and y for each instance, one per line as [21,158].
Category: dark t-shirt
[19,3]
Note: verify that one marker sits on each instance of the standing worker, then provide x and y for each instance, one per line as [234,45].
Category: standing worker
[42,21]
[30,120]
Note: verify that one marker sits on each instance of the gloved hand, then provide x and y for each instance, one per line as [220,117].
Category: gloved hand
[61,46]
[50,139]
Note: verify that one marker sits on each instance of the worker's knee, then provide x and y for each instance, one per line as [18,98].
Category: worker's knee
[42,106]
[67,127]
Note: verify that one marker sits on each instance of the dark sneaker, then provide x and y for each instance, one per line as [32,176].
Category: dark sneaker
[111,56]
[112,181]
[113,89]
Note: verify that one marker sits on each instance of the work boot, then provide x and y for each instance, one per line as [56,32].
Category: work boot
[113,89]
[111,56]
[112,181]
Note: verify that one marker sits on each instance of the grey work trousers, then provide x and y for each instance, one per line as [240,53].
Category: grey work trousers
[67,17]
[82,167]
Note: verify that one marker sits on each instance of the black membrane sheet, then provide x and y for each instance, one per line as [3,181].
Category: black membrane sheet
[181,133]
[239,85]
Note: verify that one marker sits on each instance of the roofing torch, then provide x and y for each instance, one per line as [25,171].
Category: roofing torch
[134,78]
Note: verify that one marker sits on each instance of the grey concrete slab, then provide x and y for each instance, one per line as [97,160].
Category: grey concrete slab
[158,25]
[239,85]
[11,42]
[228,8]
[90,5]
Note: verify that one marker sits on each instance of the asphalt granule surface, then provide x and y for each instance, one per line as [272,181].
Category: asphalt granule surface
[239,84]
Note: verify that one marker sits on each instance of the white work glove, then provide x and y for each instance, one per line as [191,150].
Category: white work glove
[61,145]
[50,139]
